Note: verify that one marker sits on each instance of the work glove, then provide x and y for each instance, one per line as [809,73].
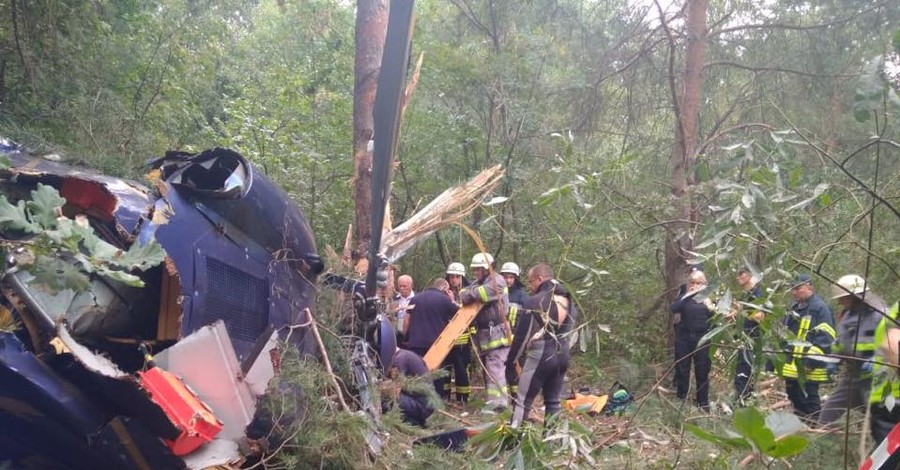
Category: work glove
[866,367]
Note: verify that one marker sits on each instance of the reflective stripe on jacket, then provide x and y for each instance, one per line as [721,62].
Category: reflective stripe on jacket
[801,351]
[884,384]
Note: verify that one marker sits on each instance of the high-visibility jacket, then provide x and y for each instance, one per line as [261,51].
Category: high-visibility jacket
[492,329]
[884,385]
[856,334]
[813,324]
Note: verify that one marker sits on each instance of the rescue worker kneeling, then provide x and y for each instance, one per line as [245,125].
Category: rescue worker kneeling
[414,406]
[542,337]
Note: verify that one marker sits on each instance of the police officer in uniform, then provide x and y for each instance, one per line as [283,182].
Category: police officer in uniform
[693,311]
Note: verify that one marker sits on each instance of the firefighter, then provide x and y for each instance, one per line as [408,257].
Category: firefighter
[541,338]
[693,311]
[456,276]
[461,354]
[811,322]
[885,395]
[862,310]
[491,328]
[517,295]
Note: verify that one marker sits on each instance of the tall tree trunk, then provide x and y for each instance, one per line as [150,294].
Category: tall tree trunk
[371,27]
[683,157]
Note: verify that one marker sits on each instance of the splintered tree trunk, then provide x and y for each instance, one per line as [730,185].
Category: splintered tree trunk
[683,155]
[371,27]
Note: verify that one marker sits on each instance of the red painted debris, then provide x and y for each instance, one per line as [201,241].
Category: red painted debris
[196,421]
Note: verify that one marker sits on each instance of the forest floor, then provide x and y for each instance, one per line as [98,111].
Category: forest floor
[652,434]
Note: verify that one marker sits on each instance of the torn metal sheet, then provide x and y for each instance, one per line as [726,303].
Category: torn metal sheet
[218,452]
[206,361]
[95,362]
[108,308]
[47,421]
[262,368]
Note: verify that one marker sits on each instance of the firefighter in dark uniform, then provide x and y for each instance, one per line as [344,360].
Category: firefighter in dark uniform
[542,339]
[862,310]
[693,311]
[812,323]
[460,356]
[517,296]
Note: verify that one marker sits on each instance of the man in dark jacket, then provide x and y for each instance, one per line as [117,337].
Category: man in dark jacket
[693,310]
[414,407]
[428,314]
[743,371]
[542,338]
[812,323]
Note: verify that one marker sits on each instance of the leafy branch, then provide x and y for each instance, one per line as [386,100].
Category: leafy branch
[64,252]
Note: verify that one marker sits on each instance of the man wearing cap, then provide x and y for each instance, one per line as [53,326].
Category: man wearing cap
[492,332]
[861,310]
[812,324]
[461,354]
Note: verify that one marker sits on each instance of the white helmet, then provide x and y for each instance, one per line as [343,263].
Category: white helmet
[510,268]
[482,260]
[456,268]
[851,284]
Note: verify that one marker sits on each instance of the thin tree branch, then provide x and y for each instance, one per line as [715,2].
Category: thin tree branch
[754,68]
[798,27]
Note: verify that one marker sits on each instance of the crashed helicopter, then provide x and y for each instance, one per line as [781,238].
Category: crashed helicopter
[240,263]
[140,326]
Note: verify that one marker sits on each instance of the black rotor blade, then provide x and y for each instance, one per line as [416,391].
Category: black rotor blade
[391,82]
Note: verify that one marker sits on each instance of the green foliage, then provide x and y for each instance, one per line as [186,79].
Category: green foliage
[565,443]
[67,250]
[771,436]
